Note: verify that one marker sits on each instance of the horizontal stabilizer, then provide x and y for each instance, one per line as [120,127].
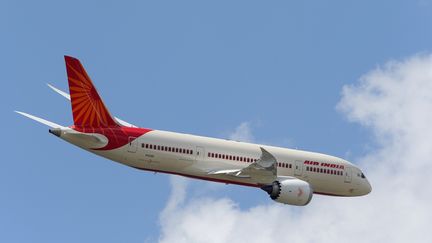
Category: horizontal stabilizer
[38,119]
[85,140]
[124,123]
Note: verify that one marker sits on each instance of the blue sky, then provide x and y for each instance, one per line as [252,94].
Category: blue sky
[197,67]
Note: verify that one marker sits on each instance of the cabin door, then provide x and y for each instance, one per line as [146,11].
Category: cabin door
[199,153]
[298,168]
[132,145]
[348,174]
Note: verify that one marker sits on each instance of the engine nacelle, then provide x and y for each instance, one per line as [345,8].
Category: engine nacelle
[290,191]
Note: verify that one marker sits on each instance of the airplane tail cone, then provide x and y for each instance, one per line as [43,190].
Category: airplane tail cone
[55,131]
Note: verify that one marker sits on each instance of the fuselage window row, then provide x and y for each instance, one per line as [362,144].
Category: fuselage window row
[242,159]
[167,148]
[231,157]
[324,171]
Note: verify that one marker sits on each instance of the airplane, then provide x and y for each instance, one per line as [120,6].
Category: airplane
[289,176]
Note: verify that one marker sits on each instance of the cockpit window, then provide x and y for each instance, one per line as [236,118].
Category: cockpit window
[363,176]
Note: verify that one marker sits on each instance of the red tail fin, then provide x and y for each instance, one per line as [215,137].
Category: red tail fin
[88,108]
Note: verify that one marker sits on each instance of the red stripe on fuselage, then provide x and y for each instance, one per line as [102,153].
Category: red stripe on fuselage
[117,136]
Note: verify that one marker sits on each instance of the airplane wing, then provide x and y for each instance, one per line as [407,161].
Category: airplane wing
[263,170]
[41,120]
[67,96]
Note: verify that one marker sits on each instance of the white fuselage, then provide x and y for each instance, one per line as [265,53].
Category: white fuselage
[196,156]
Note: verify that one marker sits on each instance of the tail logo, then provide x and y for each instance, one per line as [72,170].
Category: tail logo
[88,108]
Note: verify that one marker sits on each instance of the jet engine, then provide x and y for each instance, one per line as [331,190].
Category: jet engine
[290,191]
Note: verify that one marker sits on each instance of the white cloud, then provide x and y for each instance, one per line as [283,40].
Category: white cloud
[242,133]
[395,103]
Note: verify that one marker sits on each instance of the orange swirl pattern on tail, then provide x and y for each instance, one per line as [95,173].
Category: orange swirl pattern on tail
[88,108]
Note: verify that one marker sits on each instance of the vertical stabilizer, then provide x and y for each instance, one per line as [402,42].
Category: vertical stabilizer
[88,109]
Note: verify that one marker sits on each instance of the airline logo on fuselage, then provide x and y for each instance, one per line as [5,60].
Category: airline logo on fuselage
[323,164]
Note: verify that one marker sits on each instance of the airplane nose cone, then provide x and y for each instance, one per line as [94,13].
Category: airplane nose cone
[367,188]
